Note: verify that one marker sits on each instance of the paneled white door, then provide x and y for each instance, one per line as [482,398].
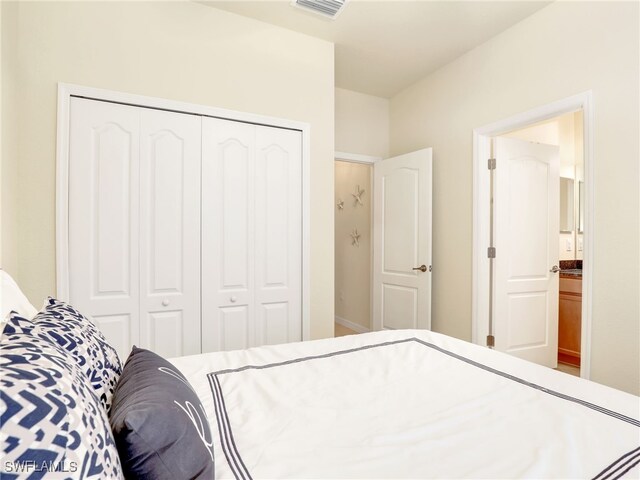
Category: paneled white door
[251,235]
[104,209]
[526,199]
[278,236]
[134,242]
[170,232]
[402,241]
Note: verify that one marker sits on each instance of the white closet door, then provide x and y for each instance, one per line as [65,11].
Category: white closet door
[278,223]
[227,234]
[104,217]
[170,232]
[251,235]
[134,225]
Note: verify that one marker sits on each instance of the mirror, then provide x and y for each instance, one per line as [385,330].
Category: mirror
[567,205]
[580,207]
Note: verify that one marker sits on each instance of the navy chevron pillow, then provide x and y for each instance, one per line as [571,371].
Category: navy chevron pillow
[50,418]
[79,336]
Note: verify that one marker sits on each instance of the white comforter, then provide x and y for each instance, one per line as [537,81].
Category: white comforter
[408,404]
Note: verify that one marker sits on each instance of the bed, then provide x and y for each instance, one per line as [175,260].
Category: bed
[408,404]
[391,404]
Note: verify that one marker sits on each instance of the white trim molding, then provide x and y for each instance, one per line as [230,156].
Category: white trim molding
[356,327]
[356,157]
[66,91]
[481,152]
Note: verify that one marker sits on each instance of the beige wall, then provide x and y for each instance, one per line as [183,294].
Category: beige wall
[362,123]
[353,263]
[564,49]
[9,186]
[176,50]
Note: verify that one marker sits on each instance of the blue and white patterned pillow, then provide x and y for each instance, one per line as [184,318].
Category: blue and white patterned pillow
[80,337]
[51,419]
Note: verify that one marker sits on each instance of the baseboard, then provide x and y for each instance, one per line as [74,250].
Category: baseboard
[568,357]
[356,327]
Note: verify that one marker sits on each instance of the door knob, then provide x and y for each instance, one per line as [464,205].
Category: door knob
[554,269]
[422,268]
[165,302]
[233,299]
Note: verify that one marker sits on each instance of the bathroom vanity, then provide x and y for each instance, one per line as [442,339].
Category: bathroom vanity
[570,316]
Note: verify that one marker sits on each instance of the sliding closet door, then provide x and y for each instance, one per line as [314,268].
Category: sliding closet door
[251,235]
[170,232]
[134,225]
[104,217]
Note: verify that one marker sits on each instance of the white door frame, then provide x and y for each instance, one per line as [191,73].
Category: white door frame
[481,152]
[365,160]
[355,158]
[66,91]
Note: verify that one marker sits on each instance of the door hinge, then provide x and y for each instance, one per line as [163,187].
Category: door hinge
[491,252]
[491,164]
[491,341]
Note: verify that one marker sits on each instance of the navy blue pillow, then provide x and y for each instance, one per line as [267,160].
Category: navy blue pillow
[85,343]
[53,424]
[159,424]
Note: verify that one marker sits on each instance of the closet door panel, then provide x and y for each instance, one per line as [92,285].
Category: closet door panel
[235,163]
[120,330]
[170,232]
[273,323]
[234,327]
[165,333]
[103,217]
[228,204]
[278,220]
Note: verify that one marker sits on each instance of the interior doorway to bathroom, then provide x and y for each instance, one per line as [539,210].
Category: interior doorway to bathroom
[531,235]
[563,133]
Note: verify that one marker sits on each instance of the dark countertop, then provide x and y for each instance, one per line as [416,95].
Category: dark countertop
[571,273]
[571,268]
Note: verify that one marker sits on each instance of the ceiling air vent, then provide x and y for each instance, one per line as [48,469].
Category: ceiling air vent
[326,8]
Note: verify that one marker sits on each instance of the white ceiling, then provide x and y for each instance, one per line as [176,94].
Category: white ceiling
[382,47]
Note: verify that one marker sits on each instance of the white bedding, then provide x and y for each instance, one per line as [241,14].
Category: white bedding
[408,404]
[12,298]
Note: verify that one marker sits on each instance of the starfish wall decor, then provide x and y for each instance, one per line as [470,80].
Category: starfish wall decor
[355,238]
[358,196]
[340,204]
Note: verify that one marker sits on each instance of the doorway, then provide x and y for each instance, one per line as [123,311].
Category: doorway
[383,242]
[353,244]
[550,124]
[565,133]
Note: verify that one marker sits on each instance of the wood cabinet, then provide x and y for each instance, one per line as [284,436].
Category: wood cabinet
[570,320]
